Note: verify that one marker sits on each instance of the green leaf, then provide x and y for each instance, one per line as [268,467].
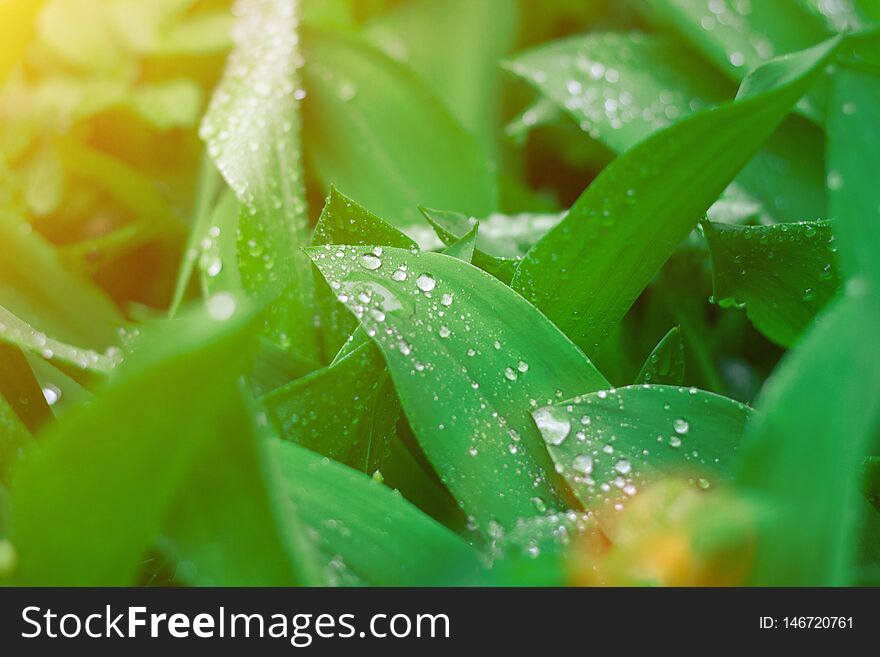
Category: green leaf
[665,364]
[308,411]
[740,36]
[632,217]
[803,454]
[20,389]
[262,535]
[14,439]
[465,379]
[252,132]
[218,249]
[88,505]
[853,160]
[610,443]
[455,46]
[366,529]
[207,190]
[377,131]
[621,87]
[50,311]
[39,289]
[464,247]
[343,221]
[501,241]
[784,275]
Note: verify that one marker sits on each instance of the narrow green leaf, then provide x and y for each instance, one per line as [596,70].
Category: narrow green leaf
[463,248]
[20,389]
[585,273]
[621,87]
[853,161]
[665,364]
[78,362]
[501,241]
[36,287]
[218,269]
[307,411]
[14,439]
[784,275]
[366,117]
[360,523]
[206,192]
[803,454]
[252,132]
[610,443]
[88,505]
[343,221]
[466,375]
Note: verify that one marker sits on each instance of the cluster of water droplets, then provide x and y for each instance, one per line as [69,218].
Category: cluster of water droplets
[420,320]
[19,332]
[779,243]
[606,98]
[251,126]
[746,48]
[542,534]
[584,436]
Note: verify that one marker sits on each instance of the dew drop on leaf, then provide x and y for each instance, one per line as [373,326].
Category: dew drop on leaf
[370,261]
[554,429]
[426,282]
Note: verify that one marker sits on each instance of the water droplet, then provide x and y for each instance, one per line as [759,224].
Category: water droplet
[211,264]
[426,282]
[444,331]
[583,463]
[509,374]
[835,180]
[522,366]
[221,306]
[681,426]
[623,466]
[370,261]
[52,394]
[446,299]
[737,59]
[554,429]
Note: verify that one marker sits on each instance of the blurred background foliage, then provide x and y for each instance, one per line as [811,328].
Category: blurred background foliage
[103,175]
[99,147]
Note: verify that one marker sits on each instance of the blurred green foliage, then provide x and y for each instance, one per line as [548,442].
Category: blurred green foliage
[439,292]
